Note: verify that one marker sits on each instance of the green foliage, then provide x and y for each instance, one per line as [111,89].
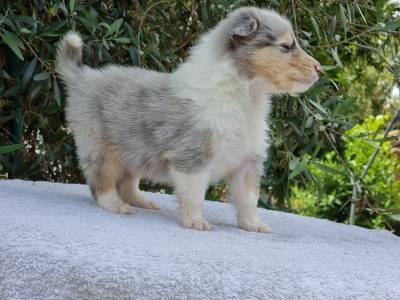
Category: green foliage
[381,194]
[347,37]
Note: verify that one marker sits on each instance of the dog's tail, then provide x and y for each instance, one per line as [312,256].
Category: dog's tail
[69,56]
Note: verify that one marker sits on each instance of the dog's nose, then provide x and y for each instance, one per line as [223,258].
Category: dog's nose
[318,69]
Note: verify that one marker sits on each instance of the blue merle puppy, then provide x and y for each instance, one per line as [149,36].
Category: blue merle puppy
[190,128]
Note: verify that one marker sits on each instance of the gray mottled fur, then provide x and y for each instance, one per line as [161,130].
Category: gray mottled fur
[134,109]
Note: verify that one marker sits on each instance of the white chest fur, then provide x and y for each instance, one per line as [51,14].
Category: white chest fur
[236,117]
[233,108]
[238,137]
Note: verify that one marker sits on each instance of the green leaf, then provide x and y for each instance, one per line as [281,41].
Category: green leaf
[57,93]
[53,10]
[293,163]
[366,47]
[315,25]
[114,27]
[204,12]
[10,148]
[13,42]
[36,90]
[134,55]
[299,168]
[72,5]
[310,121]
[395,218]
[332,27]
[158,62]
[318,148]
[318,106]
[4,74]
[41,76]
[25,30]
[297,130]
[361,14]
[306,33]
[12,91]
[319,117]
[29,72]
[327,169]
[344,19]
[391,25]
[53,108]
[328,68]
[335,56]
[123,40]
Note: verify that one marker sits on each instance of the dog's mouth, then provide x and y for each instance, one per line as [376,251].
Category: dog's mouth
[302,85]
[310,81]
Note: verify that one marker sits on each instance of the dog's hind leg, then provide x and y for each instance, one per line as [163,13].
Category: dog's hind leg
[128,189]
[105,174]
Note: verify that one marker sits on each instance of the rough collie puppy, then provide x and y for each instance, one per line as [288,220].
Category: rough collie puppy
[190,128]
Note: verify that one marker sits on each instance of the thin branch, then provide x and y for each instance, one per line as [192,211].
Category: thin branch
[294,19]
[141,24]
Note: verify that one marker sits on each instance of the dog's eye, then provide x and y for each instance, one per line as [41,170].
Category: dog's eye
[285,48]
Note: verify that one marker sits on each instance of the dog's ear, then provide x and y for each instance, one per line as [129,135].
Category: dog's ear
[244,31]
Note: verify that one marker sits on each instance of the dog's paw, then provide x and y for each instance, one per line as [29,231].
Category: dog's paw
[150,205]
[141,202]
[115,205]
[146,204]
[197,224]
[124,208]
[255,225]
[119,208]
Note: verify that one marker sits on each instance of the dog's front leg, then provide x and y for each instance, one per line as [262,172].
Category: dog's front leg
[244,194]
[190,189]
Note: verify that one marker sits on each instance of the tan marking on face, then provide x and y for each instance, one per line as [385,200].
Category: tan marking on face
[287,38]
[283,70]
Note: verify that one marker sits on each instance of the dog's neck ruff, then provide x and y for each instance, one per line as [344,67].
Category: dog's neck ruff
[225,101]
[207,76]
